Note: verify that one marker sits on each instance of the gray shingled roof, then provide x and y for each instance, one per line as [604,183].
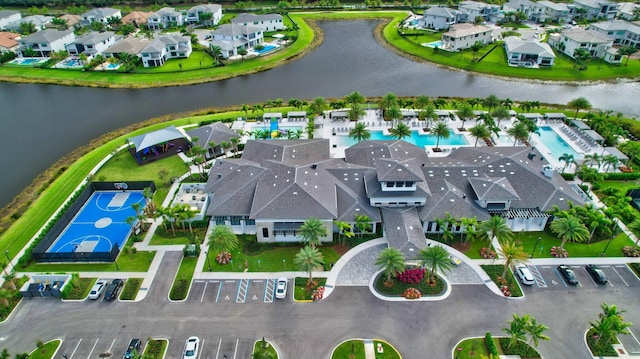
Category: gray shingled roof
[515,44]
[132,45]
[588,36]
[7,13]
[249,18]
[235,29]
[493,189]
[216,132]
[94,37]
[233,184]
[403,230]
[441,11]
[101,12]
[616,25]
[293,152]
[393,170]
[46,36]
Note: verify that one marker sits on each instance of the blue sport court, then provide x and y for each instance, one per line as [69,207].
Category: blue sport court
[100,224]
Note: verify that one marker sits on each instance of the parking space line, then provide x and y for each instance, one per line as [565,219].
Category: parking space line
[589,275]
[219,345]
[76,348]
[560,276]
[94,347]
[538,277]
[235,352]
[111,346]
[625,282]
[202,347]
[243,287]
[219,290]
[268,290]
[204,291]
[634,336]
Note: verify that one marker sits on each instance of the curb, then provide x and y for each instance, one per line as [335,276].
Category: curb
[443,296]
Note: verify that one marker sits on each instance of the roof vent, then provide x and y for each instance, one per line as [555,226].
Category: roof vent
[219,175]
[531,155]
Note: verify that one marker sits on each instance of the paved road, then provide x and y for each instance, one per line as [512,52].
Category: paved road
[311,330]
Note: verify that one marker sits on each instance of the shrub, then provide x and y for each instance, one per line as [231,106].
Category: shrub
[520,348]
[491,345]
[411,293]
[223,257]
[179,290]
[487,253]
[600,347]
[624,175]
[568,176]
[631,251]
[636,268]
[411,275]
[558,253]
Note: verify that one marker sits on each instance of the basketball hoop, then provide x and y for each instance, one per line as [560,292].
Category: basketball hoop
[120,185]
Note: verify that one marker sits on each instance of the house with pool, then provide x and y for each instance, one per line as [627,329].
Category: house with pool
[92,43]
[165,47]
[232,37]
[528,53]
[7,17]
[278,184]
[44,42]
[266,22]
[463,36]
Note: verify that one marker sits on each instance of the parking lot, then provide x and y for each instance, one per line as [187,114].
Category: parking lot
[232,291]
[210,348]
[549,278]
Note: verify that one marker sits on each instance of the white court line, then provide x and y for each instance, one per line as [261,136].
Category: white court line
[76,348]
[94,347]
[204,291]
[625,282]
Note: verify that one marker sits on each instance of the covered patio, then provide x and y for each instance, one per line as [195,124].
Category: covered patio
[156,145]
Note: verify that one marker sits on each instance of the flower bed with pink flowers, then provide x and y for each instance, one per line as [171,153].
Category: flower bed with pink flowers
[559,252]
[411,276]
[487,253]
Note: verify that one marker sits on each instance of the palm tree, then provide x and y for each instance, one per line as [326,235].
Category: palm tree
[495,227]
[363,223]
[392,261]
[216,52]
[592,158]
[344,230]
[479,131]
[631,149]
[517,329]
[389,100]
[610,323]
[440,130]
[312,230]
[500,113]
[469,225]
[436,258]
[222,239]
[393,113]
[609,161]
[354,98]
[307,260]
[429,114]
[490,102]
[317,106]
[360,132]
[579,103]
[569,229]
[627,51]
[513,254]
[568,160]
[465,112]
[400,131]
[536,331]
[355,113]
[588,174]
[519,132]
[421,101]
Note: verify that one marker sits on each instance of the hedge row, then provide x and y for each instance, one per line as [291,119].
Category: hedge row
[491,345]
[621,175]
[520,348]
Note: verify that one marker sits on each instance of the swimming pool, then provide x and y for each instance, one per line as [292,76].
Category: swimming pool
[266,48]
[434,44]
[556,144]
[25,61]
[415,138]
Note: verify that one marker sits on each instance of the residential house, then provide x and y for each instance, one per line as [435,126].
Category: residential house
[629,11]
[551,11]
[136,18]
[527,7]
[129,45]
[596,9]
[463,36]
[164,18]
[194,14]
[213,134]
[622,32]
[7,17]
[440,17]
[231,37]
[45,42]
[40,22]
[475,9]
[595,43]
[165,47]
[8,42]
[92,43]
[100,14]
[529,53]
[266,22]
[71,20]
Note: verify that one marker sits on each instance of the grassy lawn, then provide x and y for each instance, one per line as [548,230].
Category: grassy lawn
[12,286]
[349,349]
[160,240]
[131,288]
[496,63]
[81,288]
[155,348]
[153,79]
[470,248]
[472,348]
[542,250]
[140,262]
[198,60]
[259,348]
[182,282]
[621,185]
[301,291]
[275,259]
[166,237]
[388,352]
[46,351]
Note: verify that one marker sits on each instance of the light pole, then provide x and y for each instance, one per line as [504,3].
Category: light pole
[458,353]
[206,253]
[605,248]
[258,264]
[284,266]
[534,247]
[6,253]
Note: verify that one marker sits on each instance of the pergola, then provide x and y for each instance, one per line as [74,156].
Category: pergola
[158,144]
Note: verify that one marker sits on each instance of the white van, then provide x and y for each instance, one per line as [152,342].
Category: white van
[523,272]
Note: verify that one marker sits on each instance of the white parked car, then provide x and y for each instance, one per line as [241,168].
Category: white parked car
[191,348]
[281,288]
[524,274]
[97,289]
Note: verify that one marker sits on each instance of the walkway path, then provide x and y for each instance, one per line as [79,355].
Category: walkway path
[369,349]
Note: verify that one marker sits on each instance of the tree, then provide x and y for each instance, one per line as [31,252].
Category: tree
[429,114]
[568,160]
[519,132]
[311,127]
[436,258]
[360,132]
[391,260]
[307,260]
[579,103]
[216,52]
[476,47]
[479,131]
[440,130]
[500,113]
[495,227]
[312,230]
[569,229]
[516,329]
[317,106]
[389,100]
[205,18]
[344,230]
[627,51]
[242,52]
[610,323]
[631,149]
[513,254]
[421,102]
[363,224]
[355,113]
[354,98]
[222,239]
[592,159]
[400,131]
[536,331]
[588,174]
[609,161]
[580,55]
[393,113]
[490,102]
[465,112]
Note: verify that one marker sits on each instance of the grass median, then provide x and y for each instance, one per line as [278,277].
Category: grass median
[182,282]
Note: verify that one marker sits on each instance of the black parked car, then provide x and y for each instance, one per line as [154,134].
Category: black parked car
[568,274]
[596,273]
[134,348]
[113,289]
